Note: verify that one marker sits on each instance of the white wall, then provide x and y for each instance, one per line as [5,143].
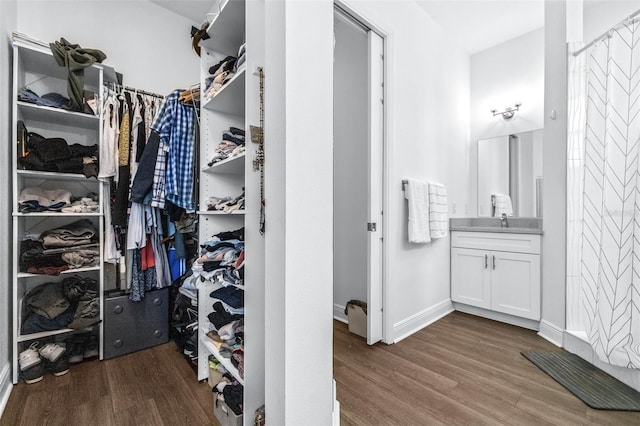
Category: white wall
[350,140]
[7,23]
[427,108]
[500,77]
[150,45]
[299,209]
[601,15]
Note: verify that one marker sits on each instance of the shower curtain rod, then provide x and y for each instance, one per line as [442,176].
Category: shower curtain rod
[606,34]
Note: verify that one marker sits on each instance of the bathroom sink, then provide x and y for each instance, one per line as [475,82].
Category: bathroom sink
[515,225]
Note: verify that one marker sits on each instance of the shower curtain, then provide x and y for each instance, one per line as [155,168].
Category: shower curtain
[604,124]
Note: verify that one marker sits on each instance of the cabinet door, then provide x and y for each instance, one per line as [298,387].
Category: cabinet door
[470,275]
[515,284]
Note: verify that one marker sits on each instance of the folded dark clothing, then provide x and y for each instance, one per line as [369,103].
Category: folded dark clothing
[34,206]
[32,257]
[78,150]
[217,245]
[237,131]
[231,295]
[211,265]
[220,317]
[227,136]
[47,270]
[233,397]
[35,323]
[226,64]
[238,234]
[54,100]
[90,169]
[67,165]
[48,149]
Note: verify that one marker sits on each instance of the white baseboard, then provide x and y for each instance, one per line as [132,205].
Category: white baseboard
[498,316]
[551,333]
[5,386]
[336,407]
[338,313]
[416,322]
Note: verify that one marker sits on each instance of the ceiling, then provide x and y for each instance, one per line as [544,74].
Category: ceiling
[480,24]
[194,10]
[475,24]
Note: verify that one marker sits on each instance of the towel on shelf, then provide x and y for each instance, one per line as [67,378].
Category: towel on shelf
[438,211]
[417,194]
[502,204]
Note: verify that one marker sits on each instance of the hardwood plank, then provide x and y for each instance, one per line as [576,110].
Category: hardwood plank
[151,387]
[460,370]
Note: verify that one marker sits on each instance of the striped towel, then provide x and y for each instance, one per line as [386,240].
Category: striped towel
[502,204]
[438,211]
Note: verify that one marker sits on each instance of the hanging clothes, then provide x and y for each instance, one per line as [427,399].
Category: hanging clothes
[176,126]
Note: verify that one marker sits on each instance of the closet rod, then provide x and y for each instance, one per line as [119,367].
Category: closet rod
[608,32]
[132,89]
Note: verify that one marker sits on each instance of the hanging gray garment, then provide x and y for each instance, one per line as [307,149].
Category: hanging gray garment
[76,59]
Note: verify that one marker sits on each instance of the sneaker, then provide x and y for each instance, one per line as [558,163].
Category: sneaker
[91,349]
[59,367]
[33,374]
[52,351]
[29,357]
[75,348]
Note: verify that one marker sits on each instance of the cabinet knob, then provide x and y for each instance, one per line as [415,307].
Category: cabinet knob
[117,343]
[486,261]
[494,262]
[118,309]
[157,334]
[157,301]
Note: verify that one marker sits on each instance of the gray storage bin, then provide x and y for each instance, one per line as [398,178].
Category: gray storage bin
[357,316]
[132,326]
[224,414]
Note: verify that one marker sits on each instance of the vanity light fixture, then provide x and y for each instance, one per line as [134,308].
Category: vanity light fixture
[508,113]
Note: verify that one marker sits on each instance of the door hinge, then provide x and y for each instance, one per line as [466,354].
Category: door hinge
[371,226]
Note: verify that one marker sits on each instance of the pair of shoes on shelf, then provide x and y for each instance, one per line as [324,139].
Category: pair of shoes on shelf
[32,367]
[82,346]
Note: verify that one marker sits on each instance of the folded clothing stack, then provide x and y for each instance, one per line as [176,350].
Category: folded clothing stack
[70,303]
[226,204]
[37,199]
[232,145]
[56,155]
[231,392]
[223,71]
[221,262]
[71,246]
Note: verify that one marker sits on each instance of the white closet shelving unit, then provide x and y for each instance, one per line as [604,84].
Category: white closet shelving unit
[235,105]
[35,67]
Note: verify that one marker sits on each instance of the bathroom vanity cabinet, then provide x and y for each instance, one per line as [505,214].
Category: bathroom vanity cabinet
[498,272]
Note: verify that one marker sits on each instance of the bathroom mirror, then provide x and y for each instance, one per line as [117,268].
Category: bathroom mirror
[510,169]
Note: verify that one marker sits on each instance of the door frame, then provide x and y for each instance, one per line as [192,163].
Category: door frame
[369,22]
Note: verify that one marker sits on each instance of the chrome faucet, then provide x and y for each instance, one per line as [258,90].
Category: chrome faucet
[503,221]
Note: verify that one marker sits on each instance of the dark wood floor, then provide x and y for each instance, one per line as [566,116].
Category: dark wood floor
[460,370]
[151,387]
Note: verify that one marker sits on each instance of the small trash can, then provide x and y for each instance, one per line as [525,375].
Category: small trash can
[356,312]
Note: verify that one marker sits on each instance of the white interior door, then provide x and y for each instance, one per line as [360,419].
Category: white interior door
[375,178]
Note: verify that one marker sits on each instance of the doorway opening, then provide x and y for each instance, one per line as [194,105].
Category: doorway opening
[358,170]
